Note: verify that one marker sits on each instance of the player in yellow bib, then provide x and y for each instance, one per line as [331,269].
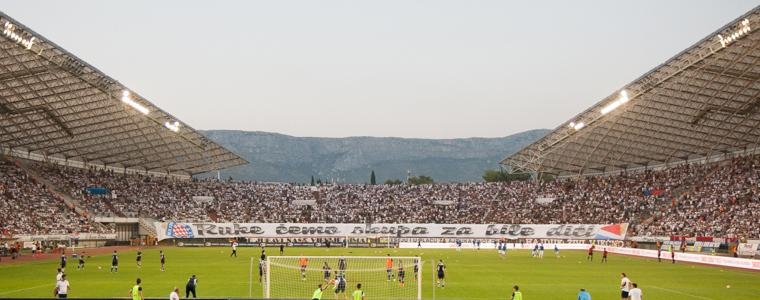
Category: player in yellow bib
[317,295]
[136,291]
[358,293]
[516,294]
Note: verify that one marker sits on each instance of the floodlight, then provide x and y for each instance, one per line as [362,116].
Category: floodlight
[172,126]
[617,103]
[125,98]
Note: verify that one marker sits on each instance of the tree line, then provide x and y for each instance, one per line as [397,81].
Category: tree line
[500,175]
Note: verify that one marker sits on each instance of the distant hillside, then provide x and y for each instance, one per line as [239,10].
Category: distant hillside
[283,158]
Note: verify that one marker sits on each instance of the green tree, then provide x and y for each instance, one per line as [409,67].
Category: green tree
[312,180]
[422,179]
[372,178]
[495,175]
[393,181]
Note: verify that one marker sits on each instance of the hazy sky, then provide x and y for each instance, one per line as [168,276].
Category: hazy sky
[430,69]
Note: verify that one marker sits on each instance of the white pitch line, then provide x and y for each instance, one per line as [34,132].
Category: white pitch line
[25,289]
[679,292]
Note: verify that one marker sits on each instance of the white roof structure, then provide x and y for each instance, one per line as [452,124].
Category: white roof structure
[56,105]
[704,101]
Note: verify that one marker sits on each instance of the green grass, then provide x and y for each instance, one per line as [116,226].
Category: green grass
[470,274]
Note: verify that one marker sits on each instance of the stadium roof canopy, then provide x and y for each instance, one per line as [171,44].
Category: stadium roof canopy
[56,105]
[704,101]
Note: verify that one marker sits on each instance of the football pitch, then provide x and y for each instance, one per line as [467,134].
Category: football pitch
[470,274]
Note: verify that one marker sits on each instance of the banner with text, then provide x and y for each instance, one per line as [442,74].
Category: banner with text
[167,230]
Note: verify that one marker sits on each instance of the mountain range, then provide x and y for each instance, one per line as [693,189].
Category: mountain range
[276,157]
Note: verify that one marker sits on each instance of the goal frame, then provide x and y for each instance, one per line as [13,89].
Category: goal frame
[267,278]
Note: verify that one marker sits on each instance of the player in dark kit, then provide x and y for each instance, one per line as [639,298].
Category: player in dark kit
[604,255]
[81,261]
[342,265]
[441,268]
[590,256]
[63,260]
[401,273]
[326,270]
[190,286]
[340,286]
[416,268]
[261,270]
[114,262]
[163,260]
[139,259]
[282,249]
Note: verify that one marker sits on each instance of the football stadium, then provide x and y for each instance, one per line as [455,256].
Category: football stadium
[653,190]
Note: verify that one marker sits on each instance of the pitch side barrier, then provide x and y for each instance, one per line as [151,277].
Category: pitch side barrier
[723,261]
[510,245]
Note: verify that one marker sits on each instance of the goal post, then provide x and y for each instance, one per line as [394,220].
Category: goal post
[381,277]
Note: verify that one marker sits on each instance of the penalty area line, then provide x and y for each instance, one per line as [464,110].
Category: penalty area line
[679,292]
[24,289]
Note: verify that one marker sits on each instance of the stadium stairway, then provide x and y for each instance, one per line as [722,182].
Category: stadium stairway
[687,186]
[147,227]
[67,199]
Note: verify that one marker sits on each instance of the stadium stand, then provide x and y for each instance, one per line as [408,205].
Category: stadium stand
[27,206]
[716,199]
[722,201]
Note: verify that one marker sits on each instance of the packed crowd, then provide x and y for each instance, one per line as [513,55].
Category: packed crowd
[722,200]
[716,199]
[27,206]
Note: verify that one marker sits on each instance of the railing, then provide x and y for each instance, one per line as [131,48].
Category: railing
[147,226]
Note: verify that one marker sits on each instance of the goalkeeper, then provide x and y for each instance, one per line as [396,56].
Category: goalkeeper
[303,262]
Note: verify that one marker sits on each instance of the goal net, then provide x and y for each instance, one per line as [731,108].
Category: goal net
[381,277]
